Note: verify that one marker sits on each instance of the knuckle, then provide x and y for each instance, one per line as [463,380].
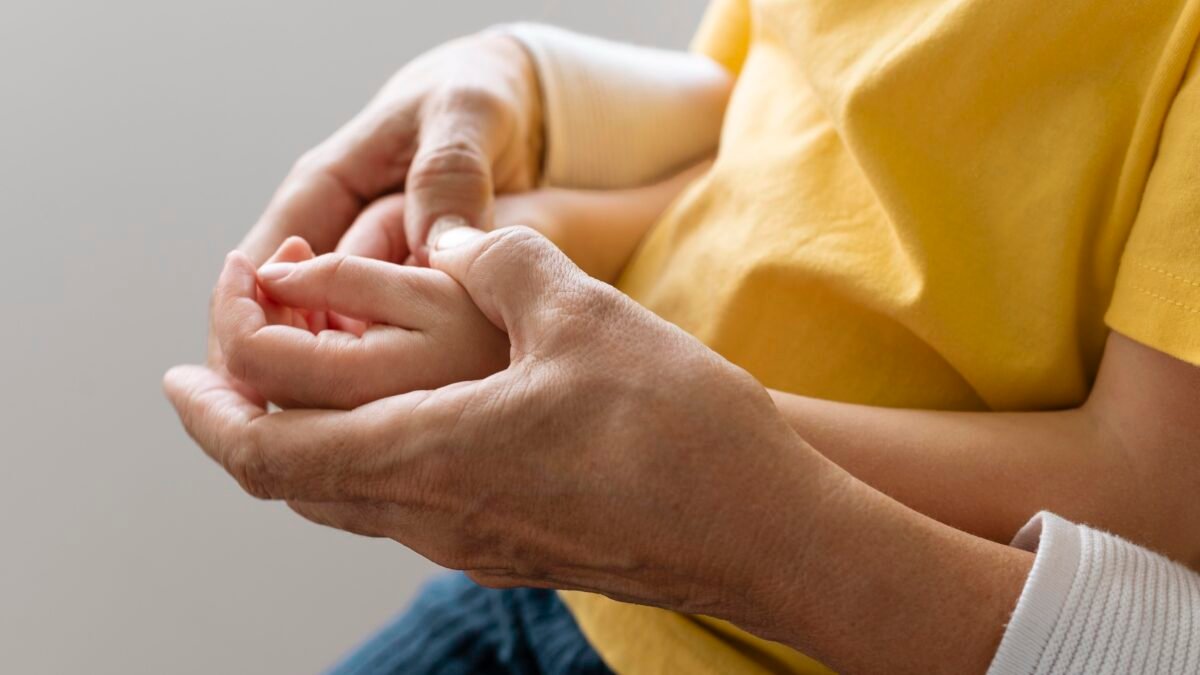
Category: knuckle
[334,267]
[514,249]
[478,100]
[524,239]
[453,159]
[323,276]
[246,463]
[312,161]
[237,356]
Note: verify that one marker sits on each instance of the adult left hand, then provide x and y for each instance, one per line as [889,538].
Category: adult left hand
[615,454]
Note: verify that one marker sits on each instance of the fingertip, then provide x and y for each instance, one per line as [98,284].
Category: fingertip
[237,278]
[238,272]
[174,381]
[295,248]
[168,380]
[275,272]
[453,245]
[238,259]
[454,237]
[443,225]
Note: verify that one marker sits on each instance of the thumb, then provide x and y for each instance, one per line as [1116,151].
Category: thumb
[514,275]
[450,181]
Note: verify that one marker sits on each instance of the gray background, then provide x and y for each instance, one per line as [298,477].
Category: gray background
[138,141]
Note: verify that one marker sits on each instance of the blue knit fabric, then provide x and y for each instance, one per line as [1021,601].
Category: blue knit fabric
[456,627]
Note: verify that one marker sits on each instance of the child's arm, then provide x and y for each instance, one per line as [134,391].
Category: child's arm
[1125,461]
[598,229]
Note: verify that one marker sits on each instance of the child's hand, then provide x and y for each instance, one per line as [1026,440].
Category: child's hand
[342,330]
[293,250]
[422,331]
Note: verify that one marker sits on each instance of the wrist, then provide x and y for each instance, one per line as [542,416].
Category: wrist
[751,570]
[921,596]
[791,552]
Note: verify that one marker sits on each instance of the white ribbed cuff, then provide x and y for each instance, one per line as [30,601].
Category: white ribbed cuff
[1095,603]
[619,115]
[1056,542]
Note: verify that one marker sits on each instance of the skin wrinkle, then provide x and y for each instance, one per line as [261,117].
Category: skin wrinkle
[332,172]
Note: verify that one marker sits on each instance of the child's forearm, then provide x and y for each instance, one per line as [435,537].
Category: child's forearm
[1124,462]
[985,473]
[598,229]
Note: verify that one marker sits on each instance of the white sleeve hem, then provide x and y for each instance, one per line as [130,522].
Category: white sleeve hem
[1056,542]
[1095,603]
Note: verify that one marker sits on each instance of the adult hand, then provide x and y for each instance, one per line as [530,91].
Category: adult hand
[449,130]
[615,454]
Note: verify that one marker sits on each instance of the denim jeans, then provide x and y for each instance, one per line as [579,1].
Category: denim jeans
[456,627]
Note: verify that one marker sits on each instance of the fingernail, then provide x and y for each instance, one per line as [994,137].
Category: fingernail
[275,271]
[443,225]
[456,237]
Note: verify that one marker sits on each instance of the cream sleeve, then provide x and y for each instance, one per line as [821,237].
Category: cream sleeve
[618,115]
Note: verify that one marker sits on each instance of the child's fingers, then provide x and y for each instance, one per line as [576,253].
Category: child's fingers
[295,368]
[319,321]
[361,288]
[378,232]
[293,249]
[265,357]
[277,314]
[236,311]
[336,321]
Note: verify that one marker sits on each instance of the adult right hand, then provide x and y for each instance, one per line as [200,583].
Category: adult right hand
[449,130]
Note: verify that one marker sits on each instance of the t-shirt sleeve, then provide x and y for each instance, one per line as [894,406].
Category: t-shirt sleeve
[1156,300]
[724,33]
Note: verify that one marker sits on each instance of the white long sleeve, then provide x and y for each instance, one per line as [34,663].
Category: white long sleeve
[1095,603]
[618,115]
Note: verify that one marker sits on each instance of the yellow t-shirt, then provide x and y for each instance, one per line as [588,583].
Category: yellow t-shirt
[926,203]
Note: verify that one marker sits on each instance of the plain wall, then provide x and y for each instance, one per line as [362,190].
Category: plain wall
[138,142]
